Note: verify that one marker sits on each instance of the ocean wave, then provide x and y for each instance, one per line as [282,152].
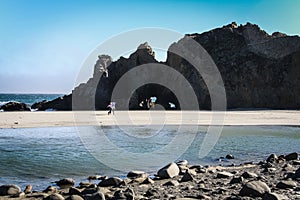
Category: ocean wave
[3,103]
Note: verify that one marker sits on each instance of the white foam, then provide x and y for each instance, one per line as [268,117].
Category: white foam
[3,103]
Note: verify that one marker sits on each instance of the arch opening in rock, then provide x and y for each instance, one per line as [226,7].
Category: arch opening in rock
[155,94]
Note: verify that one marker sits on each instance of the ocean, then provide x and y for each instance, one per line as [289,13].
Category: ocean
[29,99]
[39,156]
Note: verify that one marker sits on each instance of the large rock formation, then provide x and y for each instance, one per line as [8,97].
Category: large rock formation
[259,71]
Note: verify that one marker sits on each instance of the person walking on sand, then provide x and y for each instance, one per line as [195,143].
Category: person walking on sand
[111,108]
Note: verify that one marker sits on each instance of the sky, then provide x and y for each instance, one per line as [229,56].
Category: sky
[43,43]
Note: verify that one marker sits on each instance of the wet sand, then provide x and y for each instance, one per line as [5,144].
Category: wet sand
[82,118]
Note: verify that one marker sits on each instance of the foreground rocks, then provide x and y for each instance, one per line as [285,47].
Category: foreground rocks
[275,179]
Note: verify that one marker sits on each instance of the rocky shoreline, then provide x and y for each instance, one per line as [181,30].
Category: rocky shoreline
[278,177]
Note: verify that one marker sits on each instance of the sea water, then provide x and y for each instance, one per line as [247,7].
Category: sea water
[28,99]
[39,156]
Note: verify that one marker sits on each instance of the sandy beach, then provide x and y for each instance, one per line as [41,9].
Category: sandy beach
[66,118]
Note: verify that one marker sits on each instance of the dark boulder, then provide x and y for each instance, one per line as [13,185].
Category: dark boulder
[255,189]
[113,181]
[15,106]
[292,156]
[60,103]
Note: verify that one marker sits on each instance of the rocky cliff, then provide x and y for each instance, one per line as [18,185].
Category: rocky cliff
[259,71]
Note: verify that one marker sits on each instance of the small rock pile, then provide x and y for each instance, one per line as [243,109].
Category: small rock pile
[277,178]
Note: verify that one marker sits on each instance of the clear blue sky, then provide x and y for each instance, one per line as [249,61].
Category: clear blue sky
[44,42]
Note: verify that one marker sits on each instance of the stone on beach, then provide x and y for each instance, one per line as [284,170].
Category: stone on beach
[127,194]
[87,184]
[249,175]
[89,191]
[65,183]
[37,195]
[286,184]
[224,175]
[74,191]
[54,196]
[255,189]
[74,197]
[148,181]
[28,189]
[297,173]
[292,156]
[296,162]
[9,190]
[236,180]
[95,196]
[188,176]
[169,171]
[50,189]
[272,158]
[137,174]
[113,181]
[272,196]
